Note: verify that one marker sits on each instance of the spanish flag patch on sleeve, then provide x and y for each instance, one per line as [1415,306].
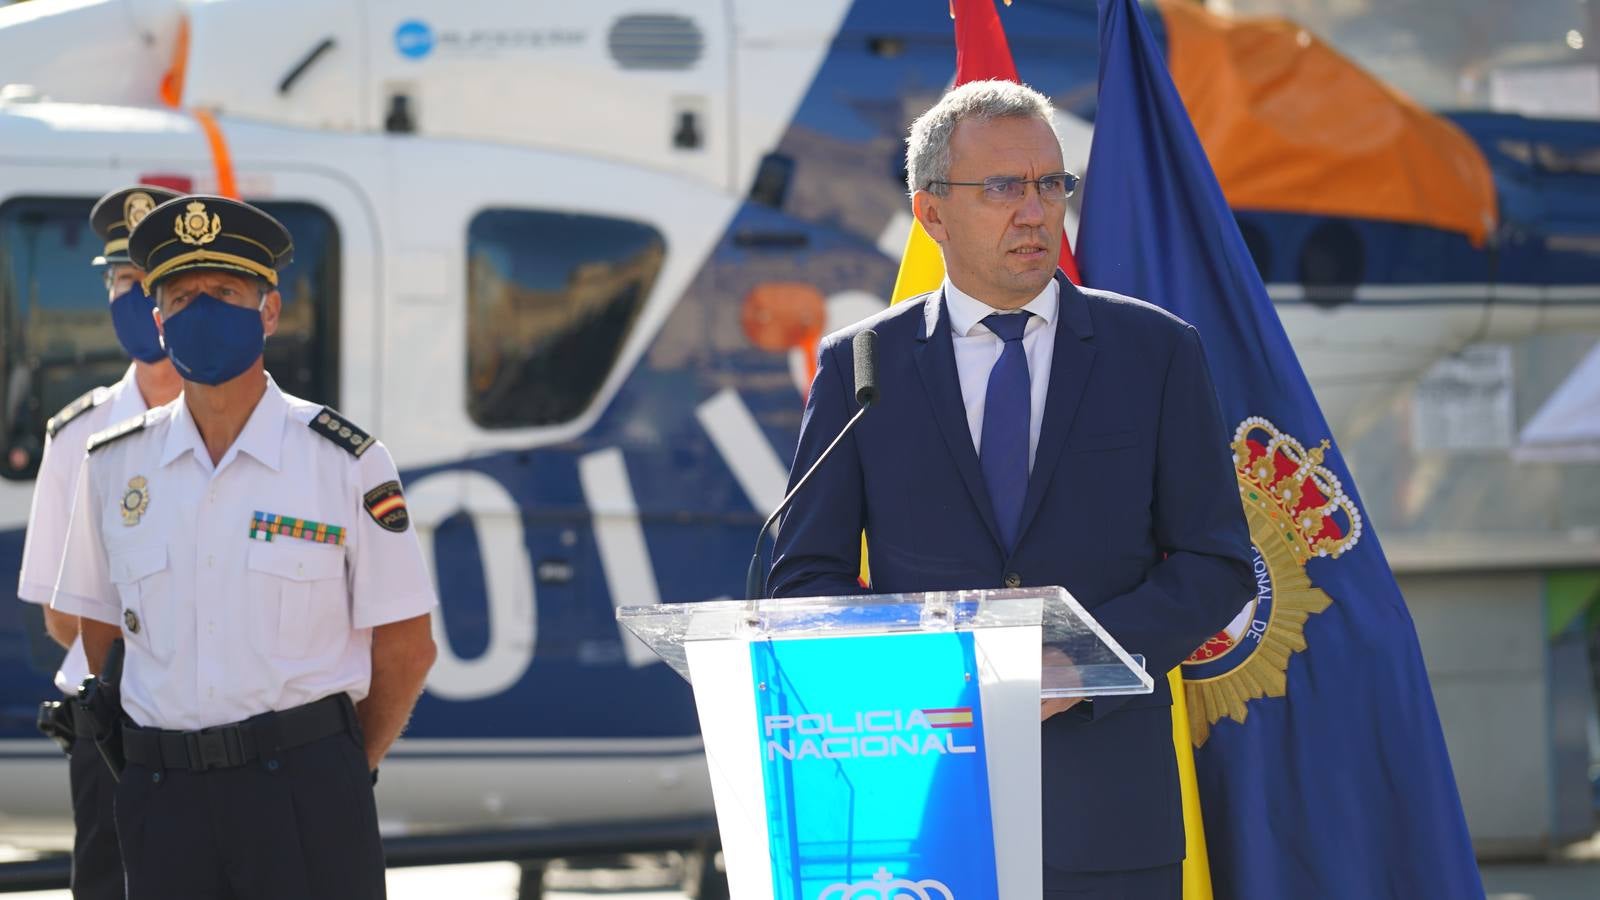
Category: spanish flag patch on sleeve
[387,506]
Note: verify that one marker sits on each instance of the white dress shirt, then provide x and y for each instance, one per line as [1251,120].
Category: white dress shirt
[53,490]
[223,620]
[977,349]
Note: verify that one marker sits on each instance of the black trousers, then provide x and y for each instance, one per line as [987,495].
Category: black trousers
[301,824]
[1160,883]
[96,863]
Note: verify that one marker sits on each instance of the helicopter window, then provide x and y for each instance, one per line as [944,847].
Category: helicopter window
[1332,263]
[303,355]
[56,340]
[551,299]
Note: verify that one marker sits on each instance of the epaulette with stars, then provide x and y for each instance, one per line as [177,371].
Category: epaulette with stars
[75,409]
[329,424]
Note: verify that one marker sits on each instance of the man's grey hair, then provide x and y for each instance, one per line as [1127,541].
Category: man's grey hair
[928,146]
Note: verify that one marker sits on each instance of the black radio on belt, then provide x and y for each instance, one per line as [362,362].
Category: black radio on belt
[99,710]
[55,722]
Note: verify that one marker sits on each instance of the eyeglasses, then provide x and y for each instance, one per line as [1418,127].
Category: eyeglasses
[120,276]
[1056,186]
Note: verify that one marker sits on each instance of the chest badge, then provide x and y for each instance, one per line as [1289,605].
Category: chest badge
[135,501]
[130,620]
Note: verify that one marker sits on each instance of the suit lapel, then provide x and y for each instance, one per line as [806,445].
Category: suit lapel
[936,362]
[1069,377]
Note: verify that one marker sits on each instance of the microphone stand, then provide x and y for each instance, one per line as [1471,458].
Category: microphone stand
[755,582]
[865,348]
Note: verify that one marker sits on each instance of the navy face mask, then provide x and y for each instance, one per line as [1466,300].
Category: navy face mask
[136,330]
[211,341]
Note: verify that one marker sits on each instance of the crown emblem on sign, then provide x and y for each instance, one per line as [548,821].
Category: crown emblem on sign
[136,207]
[1303,499]
[884,885]
[193,227]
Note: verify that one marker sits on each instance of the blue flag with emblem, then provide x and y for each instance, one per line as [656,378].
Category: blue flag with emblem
[1321,763]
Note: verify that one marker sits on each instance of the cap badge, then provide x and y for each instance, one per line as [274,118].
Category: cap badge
[136,207]
[194,228]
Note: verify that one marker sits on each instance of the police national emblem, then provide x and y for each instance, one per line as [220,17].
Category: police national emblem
[884,884]
[195,227]
[137,205]
[1297,509]
[135,501]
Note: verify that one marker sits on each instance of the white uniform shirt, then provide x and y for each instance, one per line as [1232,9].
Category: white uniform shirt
[53,490]
[977,349]
[222,623]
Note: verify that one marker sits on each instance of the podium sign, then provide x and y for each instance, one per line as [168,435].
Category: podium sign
[875,769]
[883,746]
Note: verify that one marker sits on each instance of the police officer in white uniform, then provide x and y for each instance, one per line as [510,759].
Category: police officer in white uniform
[150,381]
[255,552]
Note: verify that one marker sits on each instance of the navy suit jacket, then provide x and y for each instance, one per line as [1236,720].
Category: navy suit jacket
[1132,505]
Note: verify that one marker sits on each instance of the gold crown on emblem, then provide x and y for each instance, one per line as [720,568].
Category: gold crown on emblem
[1300,495]
[193,227]
[136,207]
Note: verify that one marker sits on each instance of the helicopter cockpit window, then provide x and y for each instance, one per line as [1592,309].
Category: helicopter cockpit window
[56,340]
[551,299]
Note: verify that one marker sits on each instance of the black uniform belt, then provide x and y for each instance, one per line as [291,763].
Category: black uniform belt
[228,746]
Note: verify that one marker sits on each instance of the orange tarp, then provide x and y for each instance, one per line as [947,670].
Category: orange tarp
[1292,126]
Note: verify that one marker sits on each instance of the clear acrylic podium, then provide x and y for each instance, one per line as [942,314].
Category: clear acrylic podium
[883,745]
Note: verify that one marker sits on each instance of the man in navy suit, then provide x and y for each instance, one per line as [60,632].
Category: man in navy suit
[1035,433]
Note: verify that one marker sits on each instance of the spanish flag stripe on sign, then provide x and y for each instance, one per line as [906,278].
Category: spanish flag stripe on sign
[956,717]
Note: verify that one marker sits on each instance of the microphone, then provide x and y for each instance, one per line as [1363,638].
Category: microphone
[865,348]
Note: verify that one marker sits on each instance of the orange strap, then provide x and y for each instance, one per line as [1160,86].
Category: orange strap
[220,159]
[172,81]
[172,95]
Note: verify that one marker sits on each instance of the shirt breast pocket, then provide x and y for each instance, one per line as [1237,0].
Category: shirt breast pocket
[144,585]
[298,596]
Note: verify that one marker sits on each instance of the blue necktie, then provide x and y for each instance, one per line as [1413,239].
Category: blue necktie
[1003,447]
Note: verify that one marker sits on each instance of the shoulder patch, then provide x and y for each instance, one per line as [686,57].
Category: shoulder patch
[328,423]
[75,409]
[117,432]
[387,506]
